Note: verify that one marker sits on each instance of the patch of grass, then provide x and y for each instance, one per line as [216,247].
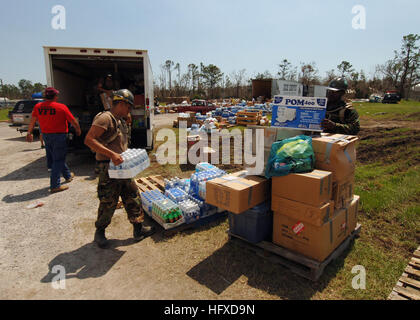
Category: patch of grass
[404,110]
[4,113]
[242,128]
[382,270]
[409,217]
[387,192]
[389,213]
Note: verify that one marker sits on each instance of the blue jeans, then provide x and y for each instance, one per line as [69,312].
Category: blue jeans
[57,146]
[48,152]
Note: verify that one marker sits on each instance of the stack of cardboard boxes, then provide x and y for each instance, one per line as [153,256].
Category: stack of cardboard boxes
[315,212]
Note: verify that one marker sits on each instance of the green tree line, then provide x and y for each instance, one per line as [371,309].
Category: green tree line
[401,73]
[23,90]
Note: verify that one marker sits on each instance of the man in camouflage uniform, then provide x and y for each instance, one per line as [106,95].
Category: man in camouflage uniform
[340,117]
[108,137]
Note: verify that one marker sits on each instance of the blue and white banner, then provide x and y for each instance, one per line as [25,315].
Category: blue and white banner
[303,113]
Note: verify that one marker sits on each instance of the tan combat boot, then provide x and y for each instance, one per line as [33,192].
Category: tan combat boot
[59,189]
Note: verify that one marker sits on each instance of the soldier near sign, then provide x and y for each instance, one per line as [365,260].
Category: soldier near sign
[340,117]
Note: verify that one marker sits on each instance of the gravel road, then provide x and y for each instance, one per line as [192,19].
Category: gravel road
[60,233]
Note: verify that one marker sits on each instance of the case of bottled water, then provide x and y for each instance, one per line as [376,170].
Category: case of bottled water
[167,213]
[203,166]
[202,177]
[190,210]
[135,161]
[148,198]
[176,194]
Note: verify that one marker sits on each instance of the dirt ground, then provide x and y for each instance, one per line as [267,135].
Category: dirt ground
[195,264]
[60,233]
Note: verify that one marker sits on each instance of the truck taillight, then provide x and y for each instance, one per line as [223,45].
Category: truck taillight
[53,49]
[147,101]
[138,52]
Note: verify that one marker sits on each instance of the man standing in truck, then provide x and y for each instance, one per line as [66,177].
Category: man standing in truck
[53,119]
[105,87]
[108,138]
[340,116]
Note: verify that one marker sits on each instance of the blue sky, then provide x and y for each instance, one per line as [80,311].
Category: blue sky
[232,34]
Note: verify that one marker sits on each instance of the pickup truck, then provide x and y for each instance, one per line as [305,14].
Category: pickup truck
[20,116]
[198,106]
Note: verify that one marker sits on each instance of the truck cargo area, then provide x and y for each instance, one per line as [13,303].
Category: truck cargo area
[77,77]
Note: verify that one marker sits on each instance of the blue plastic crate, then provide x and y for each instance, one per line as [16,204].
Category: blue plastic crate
[254,225]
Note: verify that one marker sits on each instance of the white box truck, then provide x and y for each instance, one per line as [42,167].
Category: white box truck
[75,72]
[317,91]
[286,88]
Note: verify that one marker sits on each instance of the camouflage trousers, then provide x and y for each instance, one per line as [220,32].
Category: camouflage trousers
[109,191]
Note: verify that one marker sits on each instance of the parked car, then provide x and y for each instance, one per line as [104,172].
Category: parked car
[20,116]
[374,98]
[391,97]
[198,106]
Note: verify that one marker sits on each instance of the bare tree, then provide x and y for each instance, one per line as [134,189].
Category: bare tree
[309,73]
[238,78]
[193,70]
[403,70]
[261,76]
[169,64]
[410,60]
[330,75]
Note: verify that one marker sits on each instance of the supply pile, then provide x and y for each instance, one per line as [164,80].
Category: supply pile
[315,212]
[313,206]
[305,205]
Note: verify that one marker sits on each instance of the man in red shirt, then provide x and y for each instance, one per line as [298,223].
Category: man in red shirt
[53,119]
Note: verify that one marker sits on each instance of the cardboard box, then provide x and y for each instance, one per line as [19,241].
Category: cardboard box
[335,153]
[272,135]
[342,192]
[316,216]
[353,211]
[313,188]
[237,194]
[312,241]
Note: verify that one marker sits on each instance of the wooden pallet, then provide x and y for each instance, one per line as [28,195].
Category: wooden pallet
[408,285]
[249,114]
[295,262]
[150,183]
[248,118]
